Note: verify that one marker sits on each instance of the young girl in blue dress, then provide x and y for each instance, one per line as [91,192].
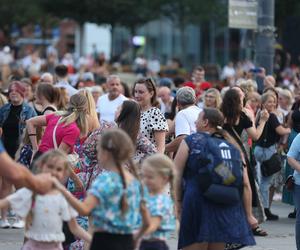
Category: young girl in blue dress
[157,173]
[114,199]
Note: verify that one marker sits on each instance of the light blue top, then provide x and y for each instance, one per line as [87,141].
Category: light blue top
[161,205]
[107,216]
[294,152]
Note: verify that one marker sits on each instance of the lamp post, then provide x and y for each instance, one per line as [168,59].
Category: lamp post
[264,46]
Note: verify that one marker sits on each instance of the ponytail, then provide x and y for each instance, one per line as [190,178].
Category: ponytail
[124,203]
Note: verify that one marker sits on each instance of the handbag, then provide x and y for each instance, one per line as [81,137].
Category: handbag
[289,183]
[271,166]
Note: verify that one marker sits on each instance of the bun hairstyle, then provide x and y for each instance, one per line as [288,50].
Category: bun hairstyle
[119,144]
[77,111]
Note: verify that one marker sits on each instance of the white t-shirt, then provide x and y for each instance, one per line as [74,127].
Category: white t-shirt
[185,120]
[49,212]
[107,108]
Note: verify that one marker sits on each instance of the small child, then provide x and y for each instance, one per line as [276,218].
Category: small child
[45,213]
[157,173]
[114,200]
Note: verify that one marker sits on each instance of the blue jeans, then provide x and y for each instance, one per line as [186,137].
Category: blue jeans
[262,154]
[296,194]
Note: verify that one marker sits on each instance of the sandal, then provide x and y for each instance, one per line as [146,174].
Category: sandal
[259,232]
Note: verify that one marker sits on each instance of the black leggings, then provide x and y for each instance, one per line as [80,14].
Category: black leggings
[108,241]
[153,245]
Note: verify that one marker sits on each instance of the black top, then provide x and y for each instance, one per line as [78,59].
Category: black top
[296,120]
[51,108]
[269,135]
[10,136]
[244,123]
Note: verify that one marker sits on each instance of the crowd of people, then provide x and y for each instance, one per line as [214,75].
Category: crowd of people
[108,163]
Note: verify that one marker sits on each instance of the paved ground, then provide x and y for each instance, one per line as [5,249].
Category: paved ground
[281,234]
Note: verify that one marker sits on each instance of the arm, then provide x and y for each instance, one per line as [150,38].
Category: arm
[294,163]
[20,176]
[64,147]
[83,208]
[173,145]
[247,200]
[282,130]
[180,160]
[255,133]
[77,182]
[31,124]
[78,231]
[160,137]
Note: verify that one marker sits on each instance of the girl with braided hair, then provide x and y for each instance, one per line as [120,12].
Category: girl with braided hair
[115,199]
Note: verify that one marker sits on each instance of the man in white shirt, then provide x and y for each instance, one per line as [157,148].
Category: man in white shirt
[61,72]
[107,104]
[186,117]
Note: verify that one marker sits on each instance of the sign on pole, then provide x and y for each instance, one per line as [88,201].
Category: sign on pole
[242,14]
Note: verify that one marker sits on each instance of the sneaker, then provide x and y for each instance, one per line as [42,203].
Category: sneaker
[18,224]
[4,224]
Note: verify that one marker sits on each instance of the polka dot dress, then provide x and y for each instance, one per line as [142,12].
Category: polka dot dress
[152,120]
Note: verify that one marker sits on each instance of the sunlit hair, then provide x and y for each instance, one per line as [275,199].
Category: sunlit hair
[162,165]
[231,106]
[216,94]
[91,110]
[52,156]
[151,87]
[3,100]
[266,96]
[129,119]
[76,112]
[121,148]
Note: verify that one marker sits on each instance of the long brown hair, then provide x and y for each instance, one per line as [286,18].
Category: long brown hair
[129,119]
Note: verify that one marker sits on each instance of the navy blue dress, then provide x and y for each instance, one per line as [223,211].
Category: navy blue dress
[205,221]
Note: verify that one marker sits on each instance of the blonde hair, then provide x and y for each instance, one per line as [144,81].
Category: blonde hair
[77,112]
[121,148]
[53,155]
[216,94]
[91,109]
[162,165]
[287,94]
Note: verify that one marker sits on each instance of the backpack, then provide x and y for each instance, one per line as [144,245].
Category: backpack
[221,171]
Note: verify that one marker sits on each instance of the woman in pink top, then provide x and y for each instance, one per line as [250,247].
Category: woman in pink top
[71,125]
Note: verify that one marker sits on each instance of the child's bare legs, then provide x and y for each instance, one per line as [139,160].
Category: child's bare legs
[205,246]
[5,190]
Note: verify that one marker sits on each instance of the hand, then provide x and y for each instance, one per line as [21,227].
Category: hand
[264,115]
[57,184]
[252,221]
[78,185]
[43,183]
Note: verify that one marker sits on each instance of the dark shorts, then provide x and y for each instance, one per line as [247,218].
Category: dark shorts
[108,241]
[153,245]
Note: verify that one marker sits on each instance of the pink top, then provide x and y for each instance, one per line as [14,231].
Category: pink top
[67,134]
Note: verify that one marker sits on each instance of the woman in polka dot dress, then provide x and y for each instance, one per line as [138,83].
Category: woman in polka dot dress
[153,124]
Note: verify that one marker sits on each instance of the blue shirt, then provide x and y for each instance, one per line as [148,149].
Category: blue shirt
[107,216]
[161,205]
[294,152]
